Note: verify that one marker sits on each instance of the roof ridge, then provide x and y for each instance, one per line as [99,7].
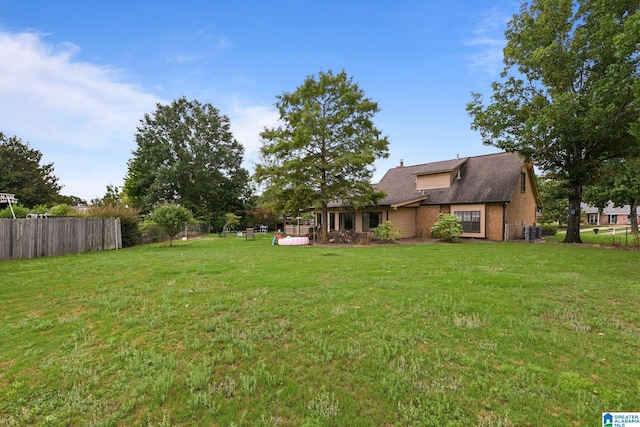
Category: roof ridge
[455,159]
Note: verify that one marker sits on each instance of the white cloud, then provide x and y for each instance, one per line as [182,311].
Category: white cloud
[247,121]
[78,114]
[488,38]
[81,116]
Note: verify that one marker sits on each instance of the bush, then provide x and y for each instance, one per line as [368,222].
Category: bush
[61,210]
[549,230]
[447,228]
[387,232]
[20,211]
[129,220]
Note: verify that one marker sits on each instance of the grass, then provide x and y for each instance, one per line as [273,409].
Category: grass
[228,332]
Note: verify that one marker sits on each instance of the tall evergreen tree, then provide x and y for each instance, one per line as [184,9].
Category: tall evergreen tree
[325,148]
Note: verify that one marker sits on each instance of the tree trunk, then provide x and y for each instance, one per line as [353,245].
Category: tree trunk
[324,236]
[573,221]
[633,216]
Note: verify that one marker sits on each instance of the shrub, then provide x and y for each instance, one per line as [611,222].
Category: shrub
[448,228]
[387,232]
[549,230]
[61,210]
[129,220]
[19,211]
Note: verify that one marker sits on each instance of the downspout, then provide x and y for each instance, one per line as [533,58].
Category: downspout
[504,219]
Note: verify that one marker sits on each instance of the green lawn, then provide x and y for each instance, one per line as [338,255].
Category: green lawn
[223,332]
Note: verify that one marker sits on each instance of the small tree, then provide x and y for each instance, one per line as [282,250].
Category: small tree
[171,218]
[387,232]
[232,221]
[448,228]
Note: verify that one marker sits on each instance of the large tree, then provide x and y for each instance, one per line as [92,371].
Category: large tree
[187,154]
[566,96]
[22,174]
[325,149]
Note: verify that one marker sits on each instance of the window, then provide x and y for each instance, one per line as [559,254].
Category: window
[470,221]
[593,218]
[371,220]
[523,182]
[347,221]
[613,219]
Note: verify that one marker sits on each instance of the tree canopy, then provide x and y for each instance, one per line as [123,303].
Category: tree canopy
[23,174]
[325,148]
[187,154]
[566,99]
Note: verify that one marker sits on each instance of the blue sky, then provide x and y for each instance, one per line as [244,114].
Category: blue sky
[76,77]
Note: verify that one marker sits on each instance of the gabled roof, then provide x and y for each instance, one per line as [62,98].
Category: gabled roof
[490,178]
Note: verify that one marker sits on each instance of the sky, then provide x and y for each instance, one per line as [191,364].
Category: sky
[77,76]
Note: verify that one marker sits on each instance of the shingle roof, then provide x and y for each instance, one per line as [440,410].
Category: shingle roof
[483,179]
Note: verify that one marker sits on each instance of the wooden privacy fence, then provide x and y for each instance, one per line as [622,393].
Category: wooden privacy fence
[37,237]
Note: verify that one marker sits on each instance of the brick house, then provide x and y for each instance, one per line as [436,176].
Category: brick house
[494,195]
[610,215]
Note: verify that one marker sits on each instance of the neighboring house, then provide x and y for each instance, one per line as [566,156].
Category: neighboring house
[610,215]
[494,195]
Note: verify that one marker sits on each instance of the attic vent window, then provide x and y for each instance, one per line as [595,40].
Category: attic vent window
[523,182]
[458,174]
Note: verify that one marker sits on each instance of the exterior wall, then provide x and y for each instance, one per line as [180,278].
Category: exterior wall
[436,180]
[405,220]
[402,218]
[426,216]
[483,218]
[494,221]
[622,219]
[522,209]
